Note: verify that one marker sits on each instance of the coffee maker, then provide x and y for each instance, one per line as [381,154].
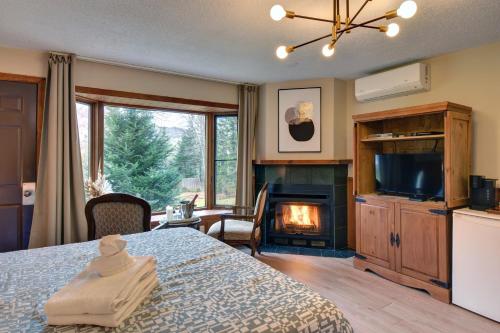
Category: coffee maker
[482,193]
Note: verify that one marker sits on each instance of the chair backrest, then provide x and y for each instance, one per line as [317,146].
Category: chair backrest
[260,205]
[117,213]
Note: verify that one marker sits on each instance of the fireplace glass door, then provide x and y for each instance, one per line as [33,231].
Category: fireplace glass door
[298,218]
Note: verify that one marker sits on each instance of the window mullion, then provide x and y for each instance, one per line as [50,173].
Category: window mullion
[99,138]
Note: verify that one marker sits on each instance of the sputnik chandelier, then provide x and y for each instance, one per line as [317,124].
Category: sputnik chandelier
[406,10]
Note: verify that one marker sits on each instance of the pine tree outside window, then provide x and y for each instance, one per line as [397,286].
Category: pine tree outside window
[157,155]
[226,151]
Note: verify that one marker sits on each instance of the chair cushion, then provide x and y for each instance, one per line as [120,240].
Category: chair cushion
[234,230]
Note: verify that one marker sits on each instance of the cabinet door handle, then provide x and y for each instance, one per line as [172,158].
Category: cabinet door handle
[392,239]
[398,241]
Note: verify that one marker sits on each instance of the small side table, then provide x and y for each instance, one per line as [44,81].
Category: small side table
[193,222]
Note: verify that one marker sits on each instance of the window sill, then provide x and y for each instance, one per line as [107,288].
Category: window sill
[208,217]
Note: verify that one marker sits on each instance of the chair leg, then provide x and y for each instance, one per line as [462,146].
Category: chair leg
[254,247]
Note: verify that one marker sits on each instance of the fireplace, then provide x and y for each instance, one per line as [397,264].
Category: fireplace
[300,215]
[306,209]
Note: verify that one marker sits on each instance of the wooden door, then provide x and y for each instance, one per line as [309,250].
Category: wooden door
[423,248]
[18,113]
[374,230]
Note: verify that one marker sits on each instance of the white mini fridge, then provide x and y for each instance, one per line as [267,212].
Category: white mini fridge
[476,262]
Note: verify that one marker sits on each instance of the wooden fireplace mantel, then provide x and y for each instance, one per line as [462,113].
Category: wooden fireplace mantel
[302,162]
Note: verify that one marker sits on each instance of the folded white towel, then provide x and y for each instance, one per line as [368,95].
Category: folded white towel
[111,265]
[109,320]
[89,293]
[111,245]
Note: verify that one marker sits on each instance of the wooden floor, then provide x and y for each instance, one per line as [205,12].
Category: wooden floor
[373,304]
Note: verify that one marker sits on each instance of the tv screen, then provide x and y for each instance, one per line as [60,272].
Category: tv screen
[418,176]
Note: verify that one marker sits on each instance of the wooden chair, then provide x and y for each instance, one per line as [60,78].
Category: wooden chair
[242,229]
[117,213]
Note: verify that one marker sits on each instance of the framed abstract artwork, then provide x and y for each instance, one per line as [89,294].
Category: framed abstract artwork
[299,120]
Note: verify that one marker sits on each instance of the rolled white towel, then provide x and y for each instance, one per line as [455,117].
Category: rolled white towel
[140,293]
[89,293]
[111,265]
[111,245]
[114,257]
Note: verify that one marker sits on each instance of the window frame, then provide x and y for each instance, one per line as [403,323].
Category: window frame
[96,139]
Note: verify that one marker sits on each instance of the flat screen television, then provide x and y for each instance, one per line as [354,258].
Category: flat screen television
[418,176]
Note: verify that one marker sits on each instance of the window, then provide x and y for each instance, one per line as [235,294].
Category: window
[226,151]
[157,155]
[162,155]
[83,118]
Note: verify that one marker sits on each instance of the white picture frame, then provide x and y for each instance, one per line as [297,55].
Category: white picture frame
[299,120]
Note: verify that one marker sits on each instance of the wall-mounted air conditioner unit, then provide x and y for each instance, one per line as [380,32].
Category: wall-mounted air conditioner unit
[405,80]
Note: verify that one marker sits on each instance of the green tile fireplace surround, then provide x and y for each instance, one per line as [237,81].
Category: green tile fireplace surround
[333,175]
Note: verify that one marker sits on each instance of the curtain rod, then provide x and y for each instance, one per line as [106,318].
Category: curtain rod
[156,70]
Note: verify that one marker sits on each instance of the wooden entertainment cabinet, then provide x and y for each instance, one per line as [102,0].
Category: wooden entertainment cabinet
[406,241]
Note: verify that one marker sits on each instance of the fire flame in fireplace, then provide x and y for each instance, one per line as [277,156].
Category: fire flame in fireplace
[300,217]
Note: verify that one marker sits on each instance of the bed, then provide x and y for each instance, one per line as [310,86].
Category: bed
[205,286]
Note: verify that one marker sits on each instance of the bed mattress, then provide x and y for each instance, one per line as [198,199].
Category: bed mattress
[205,286]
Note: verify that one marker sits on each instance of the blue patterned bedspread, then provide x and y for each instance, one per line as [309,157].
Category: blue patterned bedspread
[205,286]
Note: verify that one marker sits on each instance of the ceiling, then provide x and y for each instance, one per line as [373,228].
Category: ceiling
[236,40]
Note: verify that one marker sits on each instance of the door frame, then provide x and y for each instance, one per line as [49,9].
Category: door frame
[40,100]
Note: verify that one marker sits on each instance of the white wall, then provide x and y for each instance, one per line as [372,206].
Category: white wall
[23,62]
[340,118]
[470,77]
[332,120]
[97,75]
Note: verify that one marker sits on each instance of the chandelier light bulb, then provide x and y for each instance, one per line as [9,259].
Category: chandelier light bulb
[328,50]
[281,52]
[407,9]
[277,12]
[392,30]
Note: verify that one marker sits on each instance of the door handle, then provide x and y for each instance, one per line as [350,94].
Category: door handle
[392,239]
[29,193]
[398,241]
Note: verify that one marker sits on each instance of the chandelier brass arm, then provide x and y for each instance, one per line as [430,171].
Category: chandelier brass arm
[406,10]
[328,21]
[340,32]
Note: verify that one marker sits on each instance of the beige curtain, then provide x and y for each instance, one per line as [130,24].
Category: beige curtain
[247,117]
[59,216]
